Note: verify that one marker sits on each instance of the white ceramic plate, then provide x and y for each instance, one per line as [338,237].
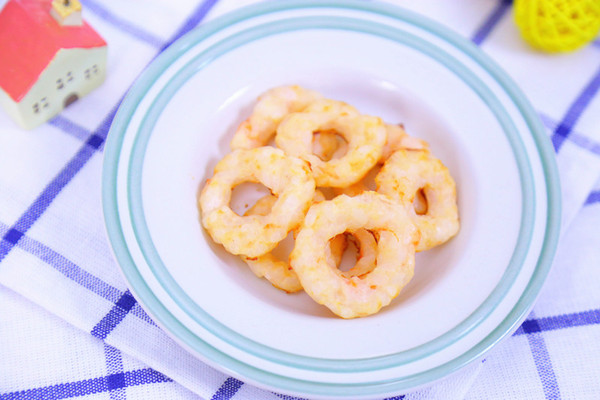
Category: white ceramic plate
[176,123]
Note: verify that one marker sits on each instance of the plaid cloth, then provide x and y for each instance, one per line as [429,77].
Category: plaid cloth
[69,327]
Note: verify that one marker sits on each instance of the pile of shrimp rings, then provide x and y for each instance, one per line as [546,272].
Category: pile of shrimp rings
[336,177]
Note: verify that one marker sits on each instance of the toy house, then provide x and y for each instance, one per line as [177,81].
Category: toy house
[49,57]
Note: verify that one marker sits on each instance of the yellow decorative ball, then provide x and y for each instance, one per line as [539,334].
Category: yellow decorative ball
[558,25]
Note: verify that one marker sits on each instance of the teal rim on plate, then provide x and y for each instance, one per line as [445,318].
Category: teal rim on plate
[157,309]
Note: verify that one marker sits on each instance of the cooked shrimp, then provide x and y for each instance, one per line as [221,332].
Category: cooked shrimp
[288,178]
[404,176]
[279,272]
[365,136]
[396,139]
[355,296]
[268,112]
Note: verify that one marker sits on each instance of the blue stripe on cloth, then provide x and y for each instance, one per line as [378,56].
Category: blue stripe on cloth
[13,236]
[144,376]
[564,128]
[532,327]
[116,382]
[114,364]
[492,20]
[228,389]
[395,398]
[589,317]
[70,270]
[41,203]
[122,24]
[194,19]
[576,138]
[89,386]
[74,272]
[594,197]
[70,127]
[543,364]
[139,312]
[114,367]
[114,316]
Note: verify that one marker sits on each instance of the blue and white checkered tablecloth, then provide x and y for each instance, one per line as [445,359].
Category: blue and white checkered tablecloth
[69,327]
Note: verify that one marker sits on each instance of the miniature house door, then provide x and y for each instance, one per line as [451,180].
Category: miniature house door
[72,98]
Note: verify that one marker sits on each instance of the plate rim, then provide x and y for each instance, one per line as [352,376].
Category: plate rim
[534,125]
[173,289]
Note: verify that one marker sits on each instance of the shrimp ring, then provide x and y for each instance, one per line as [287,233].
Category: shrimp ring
[365,136]
[281,275]
[404,175]
[276,271]
[396,138]
[288,178]
[327,143]
[268,112]
[355,296]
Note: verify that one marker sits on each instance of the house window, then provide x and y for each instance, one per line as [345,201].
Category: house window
[40,105]
[93,70]
[61,83]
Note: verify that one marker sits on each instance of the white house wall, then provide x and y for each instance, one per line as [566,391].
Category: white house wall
[72,71]
[10,106]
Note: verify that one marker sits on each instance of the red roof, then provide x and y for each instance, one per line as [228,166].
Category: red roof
[30,38]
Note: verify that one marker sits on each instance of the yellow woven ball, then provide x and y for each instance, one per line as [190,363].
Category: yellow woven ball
[558,25]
